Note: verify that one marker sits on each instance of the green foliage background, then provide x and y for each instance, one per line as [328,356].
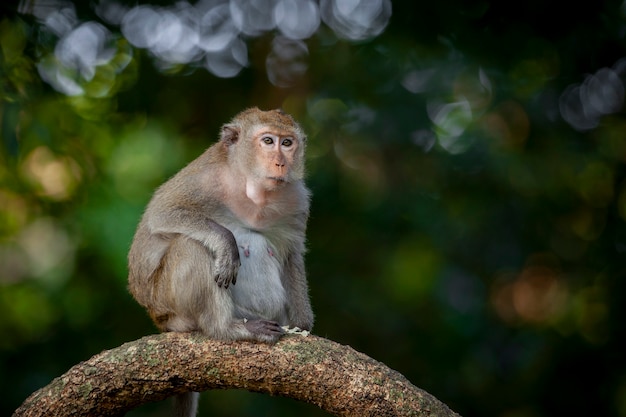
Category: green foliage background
[462,232]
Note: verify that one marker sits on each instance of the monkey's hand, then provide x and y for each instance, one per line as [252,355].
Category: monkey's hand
[226,256]
[227,265]
[265,330]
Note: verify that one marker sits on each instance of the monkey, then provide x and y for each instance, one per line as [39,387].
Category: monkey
[220,246]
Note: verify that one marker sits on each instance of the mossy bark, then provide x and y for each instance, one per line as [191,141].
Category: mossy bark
[334,377]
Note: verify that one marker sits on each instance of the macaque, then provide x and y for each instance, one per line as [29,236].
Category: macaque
[219,249]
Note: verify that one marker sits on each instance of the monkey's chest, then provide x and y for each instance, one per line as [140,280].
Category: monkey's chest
[259,292]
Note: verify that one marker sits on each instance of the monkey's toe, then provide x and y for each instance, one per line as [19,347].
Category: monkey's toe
[264,327]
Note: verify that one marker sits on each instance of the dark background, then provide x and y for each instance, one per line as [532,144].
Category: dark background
[469,196]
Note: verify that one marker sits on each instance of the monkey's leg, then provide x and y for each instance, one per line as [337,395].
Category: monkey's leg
[198,301]
[219,320]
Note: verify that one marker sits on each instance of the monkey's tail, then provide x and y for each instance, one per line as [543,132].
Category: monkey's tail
[186,405]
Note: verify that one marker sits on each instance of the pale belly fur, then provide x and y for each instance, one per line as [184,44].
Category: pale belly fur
[258,292]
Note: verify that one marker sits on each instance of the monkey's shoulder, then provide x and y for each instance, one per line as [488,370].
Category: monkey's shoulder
[295,199]
[192,185]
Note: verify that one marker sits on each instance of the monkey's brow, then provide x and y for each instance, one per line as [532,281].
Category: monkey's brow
[277,132]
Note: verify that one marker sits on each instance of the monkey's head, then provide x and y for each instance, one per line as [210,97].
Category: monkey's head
[268,146]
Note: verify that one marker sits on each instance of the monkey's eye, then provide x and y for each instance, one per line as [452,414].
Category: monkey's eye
[267,140]
[287,142]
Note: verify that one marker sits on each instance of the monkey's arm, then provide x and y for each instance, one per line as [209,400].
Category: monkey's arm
[195,224]
[294,279]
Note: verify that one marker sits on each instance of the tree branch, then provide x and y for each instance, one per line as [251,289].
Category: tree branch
[334,377]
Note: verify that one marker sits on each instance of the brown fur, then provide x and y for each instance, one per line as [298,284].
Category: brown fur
[184,247]
[220,246]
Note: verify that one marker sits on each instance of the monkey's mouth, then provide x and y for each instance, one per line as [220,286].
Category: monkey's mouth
[278,179]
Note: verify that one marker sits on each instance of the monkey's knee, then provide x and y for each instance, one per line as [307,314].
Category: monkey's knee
[183,285]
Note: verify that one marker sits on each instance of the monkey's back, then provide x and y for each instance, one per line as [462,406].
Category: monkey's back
[159,222]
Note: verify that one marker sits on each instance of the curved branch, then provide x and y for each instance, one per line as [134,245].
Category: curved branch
[334,377]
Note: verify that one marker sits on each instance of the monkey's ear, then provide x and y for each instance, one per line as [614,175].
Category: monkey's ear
[229,134]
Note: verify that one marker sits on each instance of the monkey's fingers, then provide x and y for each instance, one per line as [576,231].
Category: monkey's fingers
[227,275]
[224,280]
[221,281]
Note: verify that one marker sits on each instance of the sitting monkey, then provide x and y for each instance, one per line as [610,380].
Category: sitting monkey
[220,246]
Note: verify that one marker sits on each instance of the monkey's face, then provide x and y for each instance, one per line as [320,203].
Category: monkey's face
[278,156]
[266,147]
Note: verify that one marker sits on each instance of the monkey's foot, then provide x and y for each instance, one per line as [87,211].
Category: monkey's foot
[264,328]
